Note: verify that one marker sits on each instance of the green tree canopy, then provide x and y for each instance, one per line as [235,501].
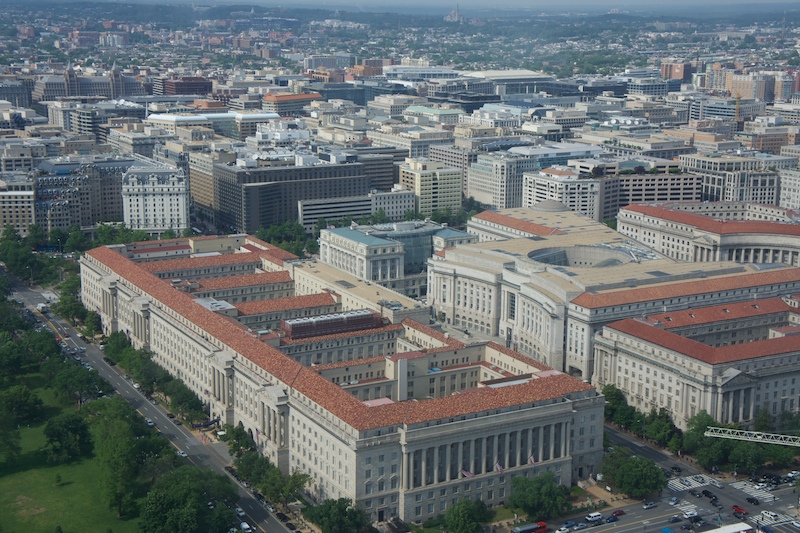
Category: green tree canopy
[337,516]
[67,437]
[467,516]
[540,497]
[179,502]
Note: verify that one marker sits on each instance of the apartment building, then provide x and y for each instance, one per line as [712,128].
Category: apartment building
[417,140]
[17,200]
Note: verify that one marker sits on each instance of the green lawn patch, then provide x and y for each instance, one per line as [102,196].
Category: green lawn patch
[30,499]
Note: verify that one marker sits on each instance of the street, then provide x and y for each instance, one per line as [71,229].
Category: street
[212,456]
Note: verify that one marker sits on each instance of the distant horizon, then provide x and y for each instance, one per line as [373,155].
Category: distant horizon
[478,8]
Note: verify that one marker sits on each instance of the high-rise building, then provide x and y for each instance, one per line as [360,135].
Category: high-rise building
[436,187]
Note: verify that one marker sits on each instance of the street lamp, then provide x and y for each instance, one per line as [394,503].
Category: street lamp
[30,272]
[60,248]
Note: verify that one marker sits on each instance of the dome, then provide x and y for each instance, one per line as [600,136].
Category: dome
[551,206]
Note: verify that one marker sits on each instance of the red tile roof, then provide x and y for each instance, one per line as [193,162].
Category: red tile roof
[720,313]
[245,280]
[138,251]
[711,225]
[702,352]
[306,381]
[515,223]
[688,288]
[259,307]
[189,263]
[286,341]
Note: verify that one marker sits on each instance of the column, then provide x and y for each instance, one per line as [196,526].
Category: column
[407,470]
[507,451]
[741,395]
[518,448]
[471,455]
[448,475]
[565,440]
[424,471]
[551,440]
[540,457]
[436,464]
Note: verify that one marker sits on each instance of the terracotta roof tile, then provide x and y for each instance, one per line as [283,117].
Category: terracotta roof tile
[259,307]
[702,352]
[515,223]
[720,313]
[189,263]
[245,280]
[227,332]
[712,225]
[688,288]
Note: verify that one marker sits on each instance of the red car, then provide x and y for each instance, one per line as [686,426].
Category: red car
[618,512]
[738,509]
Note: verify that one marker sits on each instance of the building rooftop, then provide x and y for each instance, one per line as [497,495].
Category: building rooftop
[712,225]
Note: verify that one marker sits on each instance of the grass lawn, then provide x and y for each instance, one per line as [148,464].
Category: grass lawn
[30,500]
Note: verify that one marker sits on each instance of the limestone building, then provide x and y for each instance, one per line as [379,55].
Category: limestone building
[559,277]
[400,418]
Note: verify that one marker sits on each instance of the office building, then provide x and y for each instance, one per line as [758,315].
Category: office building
[393,255]
[436,187]
[155,198]
[288,104]
[547,296]
[250,197]
[111,86]
[416,139]
[677,232]
[730,360]
[489,414]
[394,204]
[17,199]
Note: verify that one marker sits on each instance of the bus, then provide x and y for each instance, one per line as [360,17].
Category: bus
[536,527]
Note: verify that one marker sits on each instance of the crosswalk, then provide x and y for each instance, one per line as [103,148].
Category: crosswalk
[764,520]
[686,506]
[751,490]
[678,485]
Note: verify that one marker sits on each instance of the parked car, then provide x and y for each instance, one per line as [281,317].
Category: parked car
[239,512]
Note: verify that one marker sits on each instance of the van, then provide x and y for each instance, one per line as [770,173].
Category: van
[593,517]
[769,514]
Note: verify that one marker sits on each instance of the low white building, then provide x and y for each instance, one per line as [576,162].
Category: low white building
[155,198]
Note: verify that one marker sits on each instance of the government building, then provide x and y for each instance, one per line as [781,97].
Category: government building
[545,280]
[374,405]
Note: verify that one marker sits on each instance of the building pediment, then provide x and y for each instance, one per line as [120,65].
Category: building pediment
[733,377]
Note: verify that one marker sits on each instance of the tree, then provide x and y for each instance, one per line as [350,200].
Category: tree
[615,399]
[763,421]
[639,477]
[694,438]
[539,497]
[67,437]
[238,439]
[168,234]
[10,446]
[466,516]
[116,453]
[179,502]
[20,404]
[337,516]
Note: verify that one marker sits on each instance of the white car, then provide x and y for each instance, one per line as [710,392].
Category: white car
[239,512]
[149,422]
[563,530]
[689,514]
[796,524]
[181,453]
[244,526]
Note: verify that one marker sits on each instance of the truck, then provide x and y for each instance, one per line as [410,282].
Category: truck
[42,308]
